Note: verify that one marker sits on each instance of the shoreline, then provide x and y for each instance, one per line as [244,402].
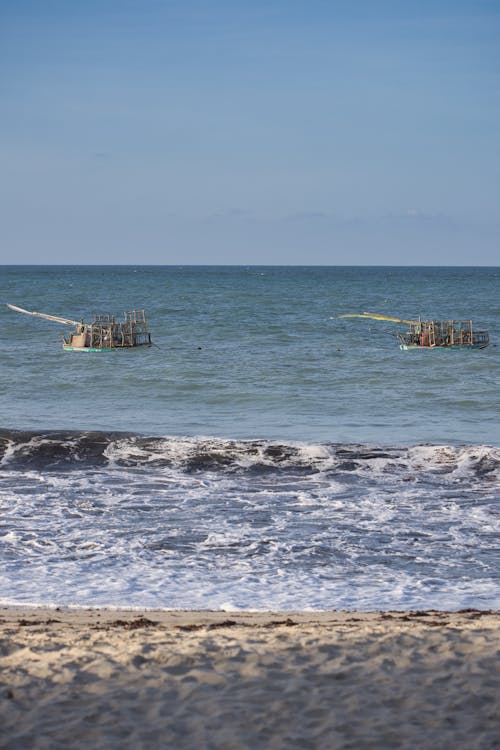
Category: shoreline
[214,679]
[84,615]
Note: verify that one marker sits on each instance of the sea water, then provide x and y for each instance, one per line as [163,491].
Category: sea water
[264,453]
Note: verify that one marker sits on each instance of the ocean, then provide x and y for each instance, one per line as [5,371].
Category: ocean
[263,454]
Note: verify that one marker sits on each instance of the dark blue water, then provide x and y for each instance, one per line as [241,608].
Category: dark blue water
[254,352]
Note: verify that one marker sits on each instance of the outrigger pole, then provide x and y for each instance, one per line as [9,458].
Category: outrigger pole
[55,318]
[375,316]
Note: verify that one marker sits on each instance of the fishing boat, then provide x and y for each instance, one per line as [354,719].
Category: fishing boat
[433,334]
[104,334]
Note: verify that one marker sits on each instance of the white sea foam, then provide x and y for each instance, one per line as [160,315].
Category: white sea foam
[212,523]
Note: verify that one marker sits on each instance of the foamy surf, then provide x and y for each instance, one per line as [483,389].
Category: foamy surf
[117,519]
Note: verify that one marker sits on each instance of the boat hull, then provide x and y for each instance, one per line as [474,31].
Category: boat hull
[412,347]
[70,348]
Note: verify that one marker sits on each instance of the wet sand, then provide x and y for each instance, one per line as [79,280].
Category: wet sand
[229,681]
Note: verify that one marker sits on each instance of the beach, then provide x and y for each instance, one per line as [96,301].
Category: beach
[105,678]
[272,530]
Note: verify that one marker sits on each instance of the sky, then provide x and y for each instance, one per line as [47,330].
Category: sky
[329,132]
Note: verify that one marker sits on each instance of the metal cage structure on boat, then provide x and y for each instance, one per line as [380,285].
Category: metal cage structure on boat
[103,334]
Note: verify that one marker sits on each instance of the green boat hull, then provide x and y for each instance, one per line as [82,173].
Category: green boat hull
[70,348]
[406,347]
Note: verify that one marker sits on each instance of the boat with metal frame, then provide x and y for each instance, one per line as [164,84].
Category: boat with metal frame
[433,334]
[104,334]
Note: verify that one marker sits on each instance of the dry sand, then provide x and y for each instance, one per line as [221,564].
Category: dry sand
[122,679]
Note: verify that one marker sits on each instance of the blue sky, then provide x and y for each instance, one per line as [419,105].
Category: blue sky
[159,131]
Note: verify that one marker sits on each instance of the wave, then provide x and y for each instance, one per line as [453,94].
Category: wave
[72,450]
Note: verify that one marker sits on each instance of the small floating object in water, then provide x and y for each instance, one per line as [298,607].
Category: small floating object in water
[104,334]
[433,334]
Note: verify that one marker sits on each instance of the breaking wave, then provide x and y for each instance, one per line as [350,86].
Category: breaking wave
[113,518]
[71,450]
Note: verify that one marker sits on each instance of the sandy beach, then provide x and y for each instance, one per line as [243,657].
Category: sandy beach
[181,679]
